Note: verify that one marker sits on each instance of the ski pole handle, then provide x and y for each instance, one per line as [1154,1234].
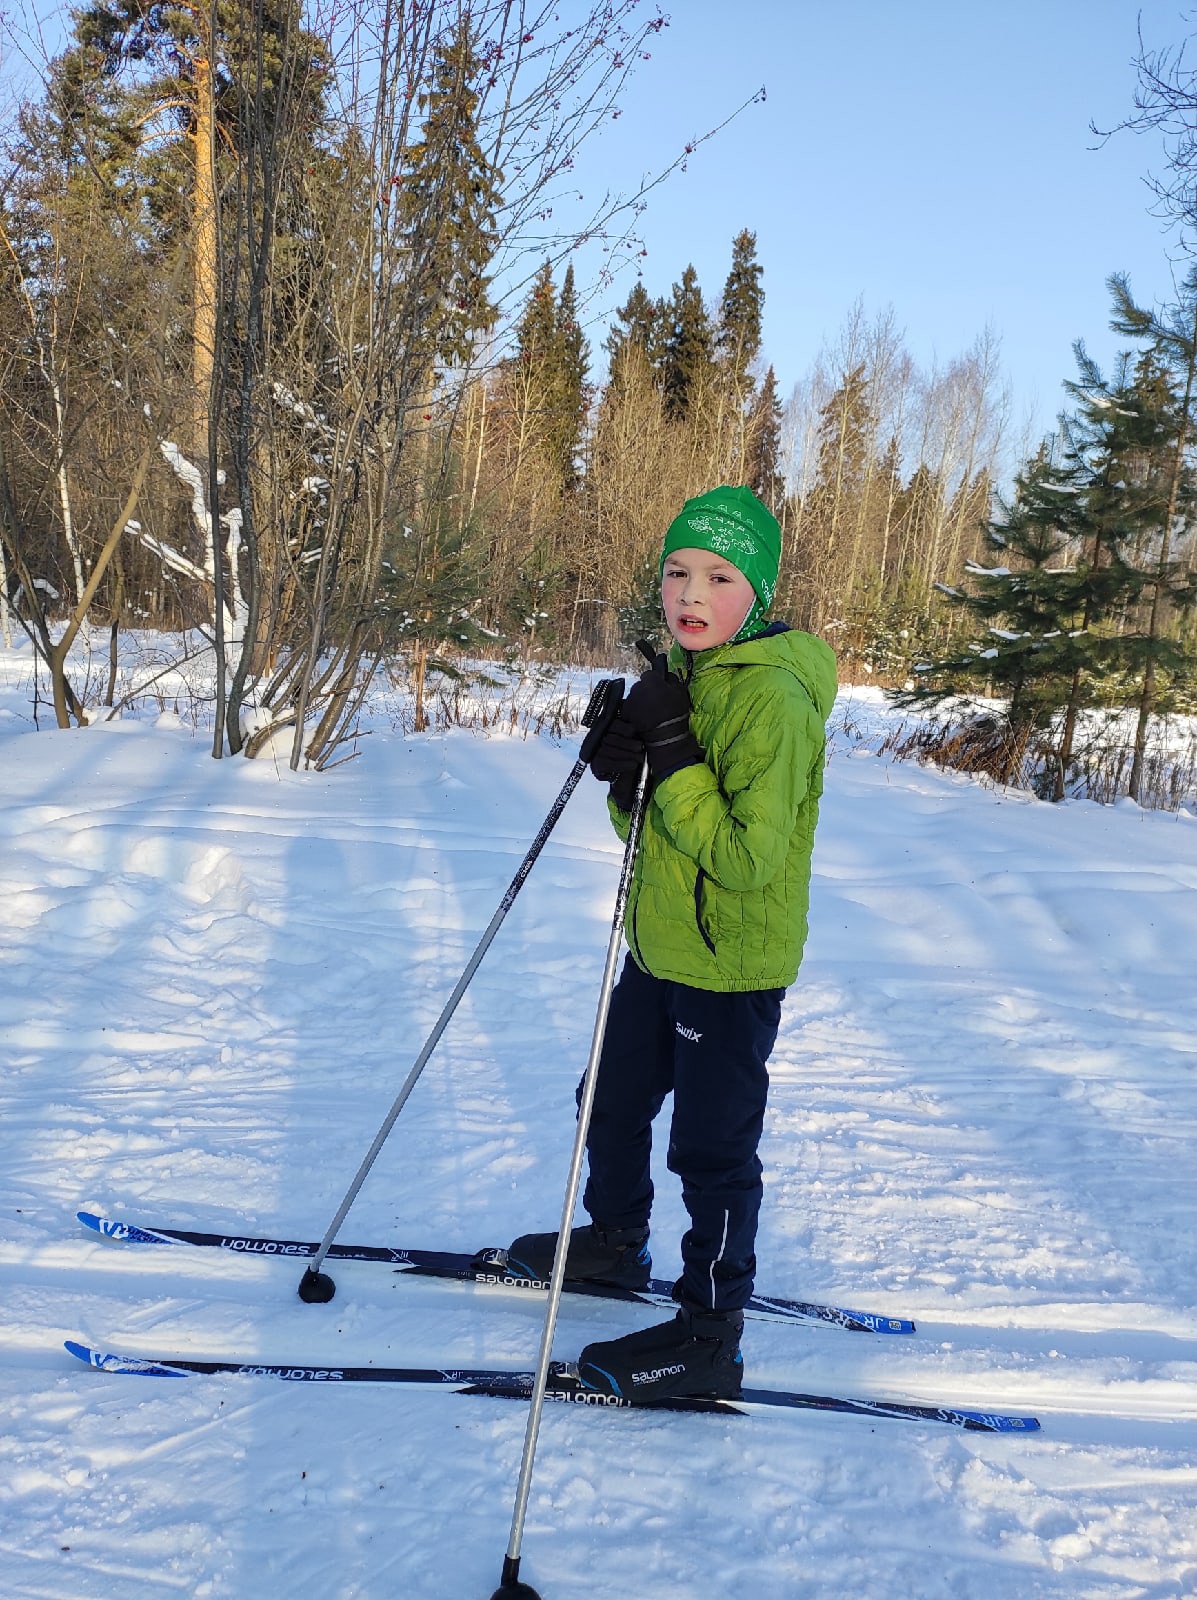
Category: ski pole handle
[605,700]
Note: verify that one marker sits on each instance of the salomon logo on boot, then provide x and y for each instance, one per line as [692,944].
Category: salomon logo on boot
[658,1373]
[697,1354]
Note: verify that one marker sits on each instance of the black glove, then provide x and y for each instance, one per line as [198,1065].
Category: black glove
[618,752]
[623,790]
[618,759]
[658,708]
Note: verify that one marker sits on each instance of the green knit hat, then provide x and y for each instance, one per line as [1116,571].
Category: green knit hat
[732,523]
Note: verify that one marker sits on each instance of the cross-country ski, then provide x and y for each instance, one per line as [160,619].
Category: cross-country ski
[489,1268]
[564,1386]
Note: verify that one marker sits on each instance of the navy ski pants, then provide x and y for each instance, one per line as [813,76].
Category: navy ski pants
[710,1050]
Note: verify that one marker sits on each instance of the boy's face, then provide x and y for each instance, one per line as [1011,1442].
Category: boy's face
[705,598]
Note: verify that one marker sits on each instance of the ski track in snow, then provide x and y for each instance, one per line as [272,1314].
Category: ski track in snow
[213,979]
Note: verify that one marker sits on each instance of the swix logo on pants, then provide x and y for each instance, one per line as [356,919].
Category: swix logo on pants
[688,1033]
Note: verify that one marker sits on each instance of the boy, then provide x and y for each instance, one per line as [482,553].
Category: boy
[715,926]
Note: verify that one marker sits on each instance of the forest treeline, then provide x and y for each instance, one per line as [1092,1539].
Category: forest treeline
[285,359]
[292,356]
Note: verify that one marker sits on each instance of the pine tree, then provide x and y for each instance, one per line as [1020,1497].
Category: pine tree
[84,136]
[206,80]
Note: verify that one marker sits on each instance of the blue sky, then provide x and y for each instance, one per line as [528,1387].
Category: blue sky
[931,156]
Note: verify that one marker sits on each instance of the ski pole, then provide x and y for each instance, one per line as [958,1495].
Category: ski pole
[316,1287]
[510,1587]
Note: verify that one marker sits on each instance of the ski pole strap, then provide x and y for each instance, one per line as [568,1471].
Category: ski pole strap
[605,700]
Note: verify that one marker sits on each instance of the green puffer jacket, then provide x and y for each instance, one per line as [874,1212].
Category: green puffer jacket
[721,884]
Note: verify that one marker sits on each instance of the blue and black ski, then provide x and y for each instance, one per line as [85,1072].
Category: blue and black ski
[564,1385]
[486,1267]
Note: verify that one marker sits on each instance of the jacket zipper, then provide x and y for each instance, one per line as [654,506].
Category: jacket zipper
[688,667]
[698,882]
[633,942]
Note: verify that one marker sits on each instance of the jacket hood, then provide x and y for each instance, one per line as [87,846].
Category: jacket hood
[807,657]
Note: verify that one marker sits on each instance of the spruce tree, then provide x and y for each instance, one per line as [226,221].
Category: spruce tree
[687,357]
[633,346]
[536,330]
[762,465]
[449,198]
[1120,442]
[551,363]
[1172,336]
[738,338]
[1062,615]
[1026,610]
[574,359]
[640,317]
[827,520]
[889,488]
[846,428]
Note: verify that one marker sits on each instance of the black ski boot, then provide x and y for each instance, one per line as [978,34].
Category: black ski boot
[617,1256]
[698,1354]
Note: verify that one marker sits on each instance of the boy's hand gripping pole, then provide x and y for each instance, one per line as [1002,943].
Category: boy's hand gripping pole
[510,1588]
[316,1287]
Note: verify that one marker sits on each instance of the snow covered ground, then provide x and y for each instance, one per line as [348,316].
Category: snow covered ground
[213,978]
